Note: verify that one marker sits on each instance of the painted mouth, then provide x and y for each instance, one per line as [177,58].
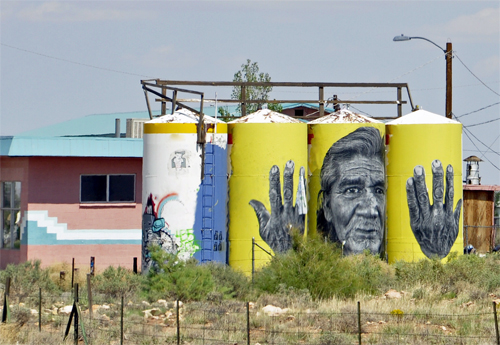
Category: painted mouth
[364,234]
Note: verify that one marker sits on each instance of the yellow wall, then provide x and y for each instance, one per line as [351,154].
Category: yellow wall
[257,147]
[411,145]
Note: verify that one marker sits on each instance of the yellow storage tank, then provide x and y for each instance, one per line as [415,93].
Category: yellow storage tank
[424,187]
[267,197]
[347,181]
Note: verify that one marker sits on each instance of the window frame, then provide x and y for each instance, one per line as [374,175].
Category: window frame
[10,209]
[107,189]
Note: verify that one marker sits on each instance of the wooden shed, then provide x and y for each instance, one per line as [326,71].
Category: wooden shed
[479,216]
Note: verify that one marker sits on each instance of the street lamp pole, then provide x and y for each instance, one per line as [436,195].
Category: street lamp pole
[448,56]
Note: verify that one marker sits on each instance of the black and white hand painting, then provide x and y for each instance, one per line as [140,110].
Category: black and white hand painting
[435,226]
[275,225]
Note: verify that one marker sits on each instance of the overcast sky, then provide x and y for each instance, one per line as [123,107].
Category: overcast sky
[64,60]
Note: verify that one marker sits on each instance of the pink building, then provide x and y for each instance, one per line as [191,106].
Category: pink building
[72,190]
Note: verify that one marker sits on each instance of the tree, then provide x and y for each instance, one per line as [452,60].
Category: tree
[250,73]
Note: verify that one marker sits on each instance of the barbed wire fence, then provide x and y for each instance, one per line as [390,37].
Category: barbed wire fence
[46,318]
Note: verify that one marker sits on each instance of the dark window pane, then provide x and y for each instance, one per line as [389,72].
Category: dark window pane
[121,188]
[6,194]
[93,188]
[17,194]
[6,220]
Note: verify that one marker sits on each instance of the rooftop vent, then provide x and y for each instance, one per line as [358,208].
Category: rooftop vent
[473,170]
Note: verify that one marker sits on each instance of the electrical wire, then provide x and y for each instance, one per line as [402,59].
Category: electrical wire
[467,132]
[481,123]
[75,62]
[480,150]
[475,111]
[475,76]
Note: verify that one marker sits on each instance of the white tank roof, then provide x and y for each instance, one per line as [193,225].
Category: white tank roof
[422,117]
[344,116]
[266,116]
[183,116]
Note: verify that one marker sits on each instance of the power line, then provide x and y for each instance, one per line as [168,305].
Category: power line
[475,111]
[480,150]
[482,123]
[496,93]
[75,62]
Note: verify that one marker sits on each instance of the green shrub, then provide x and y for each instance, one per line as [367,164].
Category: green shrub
[27,278]
[231,284]
[117,282]
[170,277]
[320,268]
[458,272]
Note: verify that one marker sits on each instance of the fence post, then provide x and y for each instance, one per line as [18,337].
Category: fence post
[135,265]
[178,325]
[359,323]
[253,257]
[89,295]
[72,272]
[121,323]
[92,265]
[39,309]
[76,314]
[496,322]
[248,323]
[5,310]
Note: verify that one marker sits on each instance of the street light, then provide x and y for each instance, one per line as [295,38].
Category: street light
[448,56]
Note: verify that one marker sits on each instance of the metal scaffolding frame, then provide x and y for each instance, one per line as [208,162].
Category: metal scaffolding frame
[164,85]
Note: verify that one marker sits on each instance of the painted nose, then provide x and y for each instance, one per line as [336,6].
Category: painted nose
[368,207]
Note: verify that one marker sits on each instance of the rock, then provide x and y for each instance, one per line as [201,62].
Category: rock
[290,318]
[468,304]
[381,322]
[271,310]
[66,310]
[443,328]
[155,311]
[22,305]
[145,304]
[251,305]
[392,294]
[147,314]
[104,317]
[34,312]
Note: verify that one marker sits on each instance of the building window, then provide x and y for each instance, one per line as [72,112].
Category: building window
[299,112]
[10,206]
[107,188]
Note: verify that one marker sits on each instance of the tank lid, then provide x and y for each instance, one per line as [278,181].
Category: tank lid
[266,116]
[344,116]
[421,117]
[183,116]
[473,159]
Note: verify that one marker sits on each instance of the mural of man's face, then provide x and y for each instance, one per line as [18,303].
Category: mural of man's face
[356,204]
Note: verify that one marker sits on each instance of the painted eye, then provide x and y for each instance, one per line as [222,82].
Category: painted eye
[353,190]
[379,191]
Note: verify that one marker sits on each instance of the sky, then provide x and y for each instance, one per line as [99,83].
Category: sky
[65,60]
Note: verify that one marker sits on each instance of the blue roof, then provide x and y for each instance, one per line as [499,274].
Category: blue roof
[70,146]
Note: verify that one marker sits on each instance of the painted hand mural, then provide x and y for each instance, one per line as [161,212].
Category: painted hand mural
[275,226]
[435,226]
[351,202]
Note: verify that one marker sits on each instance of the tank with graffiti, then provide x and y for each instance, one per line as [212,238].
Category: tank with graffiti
[183,213]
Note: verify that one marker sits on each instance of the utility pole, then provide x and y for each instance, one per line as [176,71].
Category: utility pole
[449,57]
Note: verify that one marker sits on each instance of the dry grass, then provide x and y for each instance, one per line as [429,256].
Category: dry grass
[429,319]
